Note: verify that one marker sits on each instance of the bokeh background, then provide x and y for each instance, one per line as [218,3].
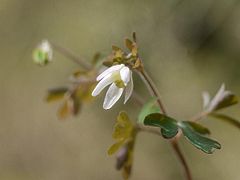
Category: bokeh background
[187,46]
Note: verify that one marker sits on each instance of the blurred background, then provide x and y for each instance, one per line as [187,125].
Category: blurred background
[187,46]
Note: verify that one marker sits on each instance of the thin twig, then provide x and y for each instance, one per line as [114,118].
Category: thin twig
[154,92]
[69,54]
[199,116]
[152,89]
[153,130]
[177,149]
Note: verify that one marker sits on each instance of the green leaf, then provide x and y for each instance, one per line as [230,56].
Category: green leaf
[198,127]
[56,94]
[169,134]
[227,119]
[123,127]
[169,126]
[123,118]
[149,108]
[205,144]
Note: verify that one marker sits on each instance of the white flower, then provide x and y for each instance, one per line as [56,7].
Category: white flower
[120,78]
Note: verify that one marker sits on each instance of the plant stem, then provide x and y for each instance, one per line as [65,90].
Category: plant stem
[180,155]
[69,54]
[199,116]
[152,89]
[154,92]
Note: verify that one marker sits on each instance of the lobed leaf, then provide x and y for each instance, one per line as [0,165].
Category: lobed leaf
[198,127]
[203,143]
[123,127]
[169,126]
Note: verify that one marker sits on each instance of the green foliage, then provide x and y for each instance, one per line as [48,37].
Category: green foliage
[122,131]
[192,131]
[169,127]
[203,143]
[198,127]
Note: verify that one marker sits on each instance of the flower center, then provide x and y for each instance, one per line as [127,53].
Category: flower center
[117,80]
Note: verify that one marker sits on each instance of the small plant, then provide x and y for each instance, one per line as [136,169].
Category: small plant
[153,118]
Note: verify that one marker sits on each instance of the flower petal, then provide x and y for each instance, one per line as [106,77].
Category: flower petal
[112,96]
[102,84]
[129,89]
[206,99]
[109,70]
[217,97]
[125,74]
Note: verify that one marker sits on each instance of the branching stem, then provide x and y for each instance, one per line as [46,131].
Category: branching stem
[154,92]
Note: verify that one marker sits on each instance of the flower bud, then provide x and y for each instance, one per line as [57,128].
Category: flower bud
[42,55]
